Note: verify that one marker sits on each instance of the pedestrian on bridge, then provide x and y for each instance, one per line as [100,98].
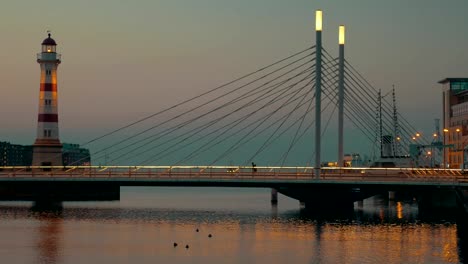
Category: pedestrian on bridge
[254,169]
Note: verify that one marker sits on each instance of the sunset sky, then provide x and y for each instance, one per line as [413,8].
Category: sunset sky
[122,60]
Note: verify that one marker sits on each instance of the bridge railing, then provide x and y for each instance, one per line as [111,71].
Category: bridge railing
[239,172]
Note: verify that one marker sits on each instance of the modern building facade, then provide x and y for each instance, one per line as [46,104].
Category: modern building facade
[15,155]
[73,155]
[47,149]
[455,120]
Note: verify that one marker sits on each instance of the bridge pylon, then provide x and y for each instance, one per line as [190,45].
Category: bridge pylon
[341,43]
[318,90]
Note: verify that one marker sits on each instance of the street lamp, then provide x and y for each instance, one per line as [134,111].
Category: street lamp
[443,147]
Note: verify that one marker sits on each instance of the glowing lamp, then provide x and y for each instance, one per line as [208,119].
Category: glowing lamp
[318,20]
[446,130]
[457,130]
[435,135]
[341,35]
[418,135]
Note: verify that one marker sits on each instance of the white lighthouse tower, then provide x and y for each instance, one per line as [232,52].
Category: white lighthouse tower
[47,149]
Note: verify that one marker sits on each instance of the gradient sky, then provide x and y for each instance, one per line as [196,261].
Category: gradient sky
[125,59]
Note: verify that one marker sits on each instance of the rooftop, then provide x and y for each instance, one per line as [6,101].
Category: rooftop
[446,80]
[49,41]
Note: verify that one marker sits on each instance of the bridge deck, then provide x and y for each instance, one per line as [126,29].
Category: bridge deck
[234,175]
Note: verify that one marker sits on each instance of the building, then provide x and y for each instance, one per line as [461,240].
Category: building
[73,155]
[47,149]
[15,155]
[455,120]
[22,155]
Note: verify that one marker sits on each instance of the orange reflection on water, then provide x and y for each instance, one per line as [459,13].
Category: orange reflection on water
[117,236]
[399,209]
[50,233]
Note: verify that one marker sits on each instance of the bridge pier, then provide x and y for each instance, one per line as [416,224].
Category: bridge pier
[323,200]
[360,204]
[274,196]
[47,192]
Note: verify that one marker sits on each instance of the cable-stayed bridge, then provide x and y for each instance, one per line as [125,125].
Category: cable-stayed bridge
[268,110]
[271,116]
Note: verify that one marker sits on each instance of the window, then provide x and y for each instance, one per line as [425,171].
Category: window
[47,133]
[48,48]
[458,86]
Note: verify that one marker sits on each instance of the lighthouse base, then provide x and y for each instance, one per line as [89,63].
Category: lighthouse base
[47,155]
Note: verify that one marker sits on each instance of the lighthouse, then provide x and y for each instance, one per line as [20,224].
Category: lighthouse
[47,149]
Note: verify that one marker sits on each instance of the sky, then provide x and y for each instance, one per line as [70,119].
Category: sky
[122,60]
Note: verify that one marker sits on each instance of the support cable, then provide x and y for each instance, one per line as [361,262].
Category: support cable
[212,141]
[170,130]
[198,96]
[199,106]
[206,126]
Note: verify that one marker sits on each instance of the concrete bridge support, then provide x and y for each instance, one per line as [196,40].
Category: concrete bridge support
[322,199]
[274,196]
[46,192]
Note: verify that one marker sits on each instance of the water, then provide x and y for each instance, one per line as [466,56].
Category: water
[245,228]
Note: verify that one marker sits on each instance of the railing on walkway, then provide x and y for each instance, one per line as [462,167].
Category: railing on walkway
[347,174]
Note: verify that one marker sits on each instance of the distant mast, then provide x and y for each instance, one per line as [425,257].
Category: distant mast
[47,149]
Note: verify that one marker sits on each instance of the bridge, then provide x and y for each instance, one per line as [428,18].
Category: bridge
[354,184]
[264,115]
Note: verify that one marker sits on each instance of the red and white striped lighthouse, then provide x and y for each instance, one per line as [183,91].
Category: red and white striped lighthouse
[47,149]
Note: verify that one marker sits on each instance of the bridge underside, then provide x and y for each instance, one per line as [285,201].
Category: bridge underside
[317,195]
[326,198]
[59,191]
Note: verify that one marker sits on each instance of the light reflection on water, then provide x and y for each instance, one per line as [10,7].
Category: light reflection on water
[143,226]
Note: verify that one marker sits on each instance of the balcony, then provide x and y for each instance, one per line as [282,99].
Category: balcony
[49,56]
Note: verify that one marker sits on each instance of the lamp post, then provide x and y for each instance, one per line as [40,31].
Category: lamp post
[432,149]
[443,148]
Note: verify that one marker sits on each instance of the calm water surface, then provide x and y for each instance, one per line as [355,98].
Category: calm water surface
[245,228]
